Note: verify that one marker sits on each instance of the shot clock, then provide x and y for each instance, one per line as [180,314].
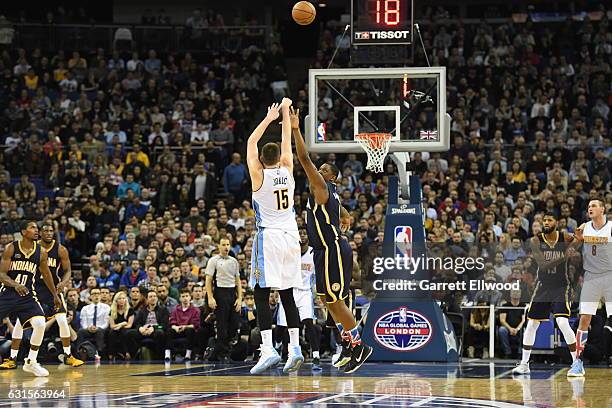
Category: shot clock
[377,22]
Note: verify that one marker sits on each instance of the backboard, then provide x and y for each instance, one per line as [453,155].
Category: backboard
[408,103]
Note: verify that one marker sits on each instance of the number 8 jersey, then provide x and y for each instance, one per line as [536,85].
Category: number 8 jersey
[273,202]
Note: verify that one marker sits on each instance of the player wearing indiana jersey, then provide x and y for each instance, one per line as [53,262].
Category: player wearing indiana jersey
[596,238]
[275,263]
[552,289]
[304,299]
[22,264]
[59,264]
[326,218]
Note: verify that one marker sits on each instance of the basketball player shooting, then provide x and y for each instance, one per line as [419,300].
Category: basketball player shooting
[22,263]
[596,236]
[551,251]
[276,257]
[333,257]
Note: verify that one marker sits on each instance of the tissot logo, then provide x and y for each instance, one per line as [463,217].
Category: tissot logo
[382,35]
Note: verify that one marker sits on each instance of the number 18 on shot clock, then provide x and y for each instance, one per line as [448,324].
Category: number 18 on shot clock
[381,22]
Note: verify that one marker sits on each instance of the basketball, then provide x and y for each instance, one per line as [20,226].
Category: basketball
[303,12]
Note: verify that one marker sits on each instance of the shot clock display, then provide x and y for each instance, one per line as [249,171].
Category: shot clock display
[381,22]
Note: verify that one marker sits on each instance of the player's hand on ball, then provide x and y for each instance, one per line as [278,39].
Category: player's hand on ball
[273,112]
[294,118]
[21,290]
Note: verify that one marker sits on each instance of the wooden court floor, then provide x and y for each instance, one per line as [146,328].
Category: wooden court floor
[469,384]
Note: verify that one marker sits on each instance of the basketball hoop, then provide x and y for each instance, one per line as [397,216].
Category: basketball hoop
[376,146]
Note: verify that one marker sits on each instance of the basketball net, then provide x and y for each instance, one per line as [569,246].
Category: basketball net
[376,146]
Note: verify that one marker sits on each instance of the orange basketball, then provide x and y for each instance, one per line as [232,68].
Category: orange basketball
[303,12]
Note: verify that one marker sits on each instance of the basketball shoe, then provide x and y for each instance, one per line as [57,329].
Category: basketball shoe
[269,358]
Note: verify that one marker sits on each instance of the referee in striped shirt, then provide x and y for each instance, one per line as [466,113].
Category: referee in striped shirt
[224,296]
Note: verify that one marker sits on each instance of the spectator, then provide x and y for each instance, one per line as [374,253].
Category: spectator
[86,293]
[73,301]
[184,323]
[132,275]
[94,321]
[511,323]
[235,178]
[120,322]
[478,331]
[151,323]
[108,279]
[165,301]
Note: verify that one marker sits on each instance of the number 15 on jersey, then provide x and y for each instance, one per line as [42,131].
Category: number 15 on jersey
[282,199]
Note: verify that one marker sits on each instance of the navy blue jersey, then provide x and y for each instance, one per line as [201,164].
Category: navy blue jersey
[557,275]
[323,220]
[55,266]
[24,269]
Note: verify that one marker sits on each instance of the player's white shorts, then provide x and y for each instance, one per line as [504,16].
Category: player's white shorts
[595,287]
[305,303]
[276,259]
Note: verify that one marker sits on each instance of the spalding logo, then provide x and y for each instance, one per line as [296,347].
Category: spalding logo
[402,330]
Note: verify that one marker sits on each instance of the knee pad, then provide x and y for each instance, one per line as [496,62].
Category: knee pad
[566,329]
[38,330]
[530,332]
[62,322]
[17,331]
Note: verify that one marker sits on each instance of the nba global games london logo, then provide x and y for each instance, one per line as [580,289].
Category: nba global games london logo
[402,330]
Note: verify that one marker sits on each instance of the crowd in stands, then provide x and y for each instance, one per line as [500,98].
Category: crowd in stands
[137,160]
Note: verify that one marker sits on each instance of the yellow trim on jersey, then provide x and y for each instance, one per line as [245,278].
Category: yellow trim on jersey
[533,297]
[27,321]
[327,219]
[537,320]
[341,267]
[550,244]
[328,286]
[27,255]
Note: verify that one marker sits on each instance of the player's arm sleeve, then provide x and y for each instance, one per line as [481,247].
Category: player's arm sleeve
[5,265]
[317,183]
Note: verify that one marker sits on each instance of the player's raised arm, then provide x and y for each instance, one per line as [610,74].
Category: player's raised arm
[286,156]
[66,267]
[255,166]
[47,277]
[5,265]
[318,187]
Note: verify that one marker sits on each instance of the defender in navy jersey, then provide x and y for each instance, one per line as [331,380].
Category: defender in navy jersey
[326,219]
[23,263]
[550,250]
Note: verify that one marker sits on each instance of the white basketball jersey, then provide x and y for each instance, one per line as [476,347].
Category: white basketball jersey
[308,270]
[597,248]
[273,202]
